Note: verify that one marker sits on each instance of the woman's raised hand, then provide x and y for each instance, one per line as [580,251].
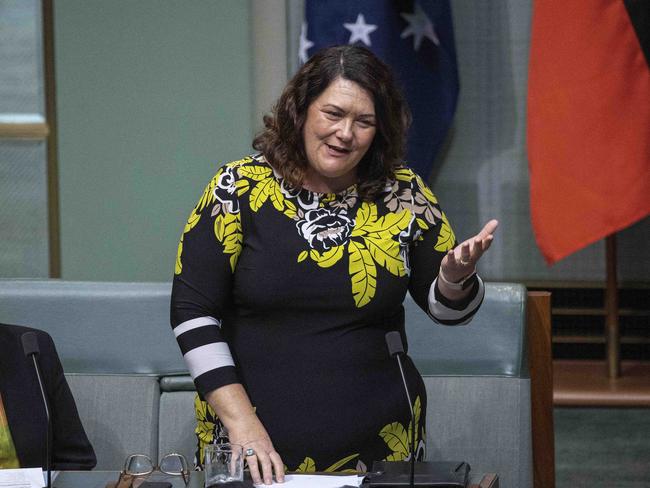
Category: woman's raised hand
[461,260]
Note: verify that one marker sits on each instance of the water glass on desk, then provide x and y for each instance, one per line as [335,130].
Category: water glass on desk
[223,463]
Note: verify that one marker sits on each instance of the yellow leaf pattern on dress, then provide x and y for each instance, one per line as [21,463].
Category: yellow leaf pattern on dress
[446,237]
[227,230]
[192,220]
[403,174]
[417,410]
[178,268]
[207,197]
[307,466]
[378,244]
[259,194]
[390,224]
[422,224]
[290,209]
[302,256]
[426,191]
[386,253]
[256,172]
[328,258]
[274,192]
[396,438]
[340,463]
[204,427]
[366,215]
[363,273]
[242,187]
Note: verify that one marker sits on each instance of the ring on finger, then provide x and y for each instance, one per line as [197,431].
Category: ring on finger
[463,262]
[249,452]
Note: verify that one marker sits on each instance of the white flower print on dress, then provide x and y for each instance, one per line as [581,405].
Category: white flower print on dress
[324,229]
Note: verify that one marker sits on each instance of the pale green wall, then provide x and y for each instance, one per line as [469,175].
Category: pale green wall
[152,96]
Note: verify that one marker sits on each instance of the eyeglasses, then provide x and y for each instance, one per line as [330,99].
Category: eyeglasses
[141,465]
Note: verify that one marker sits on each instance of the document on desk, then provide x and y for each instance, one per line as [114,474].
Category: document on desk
[317,481]
[21,478]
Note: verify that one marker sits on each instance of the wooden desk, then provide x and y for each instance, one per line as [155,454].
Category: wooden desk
[489,480]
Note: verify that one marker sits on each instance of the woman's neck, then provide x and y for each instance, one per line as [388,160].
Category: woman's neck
[318,183]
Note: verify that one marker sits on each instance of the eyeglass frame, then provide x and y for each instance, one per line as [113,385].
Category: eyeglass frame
[184,473]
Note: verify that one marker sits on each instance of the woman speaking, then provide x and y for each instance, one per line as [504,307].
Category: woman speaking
[294,265]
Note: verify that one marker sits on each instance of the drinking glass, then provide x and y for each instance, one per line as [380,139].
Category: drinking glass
[223,463]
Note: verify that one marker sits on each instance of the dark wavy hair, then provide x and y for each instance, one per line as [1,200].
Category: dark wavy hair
[281,141]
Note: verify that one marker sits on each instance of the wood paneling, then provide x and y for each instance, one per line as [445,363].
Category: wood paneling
[541,380]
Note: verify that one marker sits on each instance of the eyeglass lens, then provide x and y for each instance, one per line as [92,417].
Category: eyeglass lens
[173,464]
[139,464]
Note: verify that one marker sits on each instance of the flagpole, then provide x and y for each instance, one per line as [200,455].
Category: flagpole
[611,310]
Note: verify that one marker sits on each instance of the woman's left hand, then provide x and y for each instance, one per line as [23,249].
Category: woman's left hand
[461,261]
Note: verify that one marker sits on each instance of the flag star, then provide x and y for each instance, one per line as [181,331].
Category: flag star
[305,44]
[360,31]
[420,26]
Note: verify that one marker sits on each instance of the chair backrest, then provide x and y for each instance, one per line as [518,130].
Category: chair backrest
[119,413]
[478,385]
[98,327]
[114,341]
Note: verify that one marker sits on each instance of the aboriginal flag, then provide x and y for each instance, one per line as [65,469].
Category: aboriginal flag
[416,39]
[588,121]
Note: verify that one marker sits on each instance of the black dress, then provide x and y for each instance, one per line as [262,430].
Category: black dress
[291,292]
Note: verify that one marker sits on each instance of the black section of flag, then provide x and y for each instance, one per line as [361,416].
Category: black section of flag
[639,12]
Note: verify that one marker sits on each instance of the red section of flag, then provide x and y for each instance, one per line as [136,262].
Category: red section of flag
[588,124]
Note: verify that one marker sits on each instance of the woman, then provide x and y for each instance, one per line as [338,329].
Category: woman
[23,424]
[294,265]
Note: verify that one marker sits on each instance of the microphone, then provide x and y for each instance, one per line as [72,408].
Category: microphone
[438,474]
[396,350]
[31,348]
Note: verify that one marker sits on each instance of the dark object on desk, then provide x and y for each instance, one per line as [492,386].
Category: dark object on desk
[443,474]
[156,484]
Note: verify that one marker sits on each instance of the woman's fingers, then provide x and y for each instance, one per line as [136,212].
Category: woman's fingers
[268,460]
[278,466]
[254,469]
[267,468]
[481,241]
[462,260]
[465,253]
[488,229]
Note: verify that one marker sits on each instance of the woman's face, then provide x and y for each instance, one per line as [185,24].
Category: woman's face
[338,130]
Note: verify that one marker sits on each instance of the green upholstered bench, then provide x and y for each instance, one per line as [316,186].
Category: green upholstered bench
[130,382]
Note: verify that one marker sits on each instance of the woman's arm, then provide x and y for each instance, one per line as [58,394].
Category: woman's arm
[443,281]
[201,294]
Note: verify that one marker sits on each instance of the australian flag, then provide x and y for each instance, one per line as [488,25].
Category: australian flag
[416,39]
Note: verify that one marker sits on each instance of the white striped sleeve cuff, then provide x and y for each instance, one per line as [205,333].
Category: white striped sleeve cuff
[194,324]
[448,316]
[208,357]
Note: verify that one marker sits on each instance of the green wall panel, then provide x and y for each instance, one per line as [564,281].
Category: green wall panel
[152,97]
